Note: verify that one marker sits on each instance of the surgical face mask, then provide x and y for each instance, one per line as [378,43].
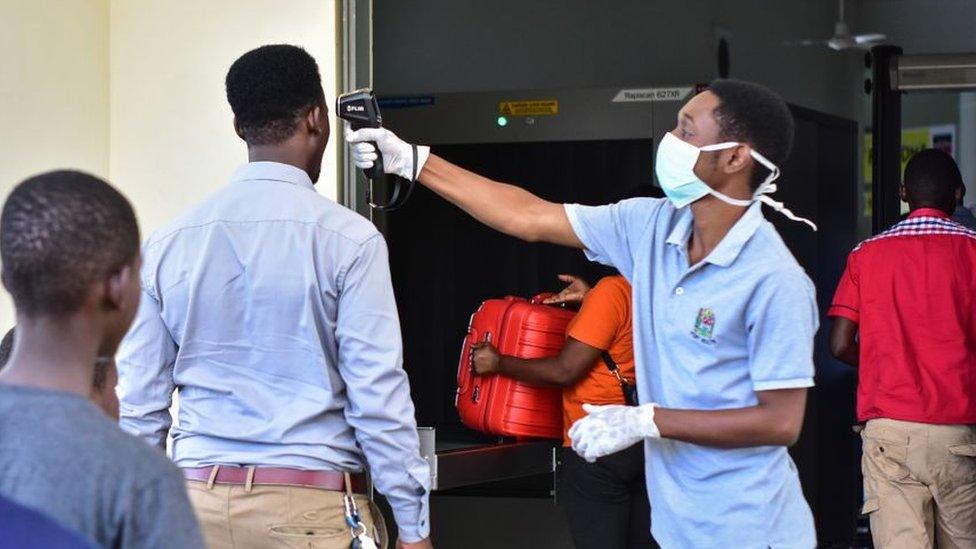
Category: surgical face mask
[675,168]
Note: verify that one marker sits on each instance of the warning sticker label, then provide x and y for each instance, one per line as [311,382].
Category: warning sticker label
[647,95]
[539,107]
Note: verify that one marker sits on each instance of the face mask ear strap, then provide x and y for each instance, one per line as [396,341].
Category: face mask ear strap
[781,208]
[767,187]
[773,168]
[719,146]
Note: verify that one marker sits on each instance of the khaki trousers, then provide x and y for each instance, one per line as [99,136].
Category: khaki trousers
[920,484]
[269,516]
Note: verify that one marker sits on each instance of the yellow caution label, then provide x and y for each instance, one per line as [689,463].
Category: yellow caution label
[539,107]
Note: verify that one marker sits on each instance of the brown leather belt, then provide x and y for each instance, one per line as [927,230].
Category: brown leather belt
[229,474]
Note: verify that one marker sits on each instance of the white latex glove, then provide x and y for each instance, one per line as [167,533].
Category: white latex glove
[397,154]
[609,429]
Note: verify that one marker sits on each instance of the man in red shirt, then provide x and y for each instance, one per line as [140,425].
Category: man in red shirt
[905,315]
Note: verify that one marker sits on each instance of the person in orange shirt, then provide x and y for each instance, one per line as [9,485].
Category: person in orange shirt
[605,502]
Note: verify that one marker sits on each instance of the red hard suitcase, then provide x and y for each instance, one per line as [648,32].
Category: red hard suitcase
[500,405]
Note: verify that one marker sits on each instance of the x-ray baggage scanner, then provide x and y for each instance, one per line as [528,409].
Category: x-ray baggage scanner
[590,146]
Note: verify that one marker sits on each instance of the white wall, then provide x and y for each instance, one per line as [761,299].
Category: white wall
[53,93]
[133,90]
[172,140]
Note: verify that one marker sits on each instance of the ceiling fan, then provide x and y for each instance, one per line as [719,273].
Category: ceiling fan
[843,39]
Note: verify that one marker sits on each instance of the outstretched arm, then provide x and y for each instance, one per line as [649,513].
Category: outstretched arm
[503,207]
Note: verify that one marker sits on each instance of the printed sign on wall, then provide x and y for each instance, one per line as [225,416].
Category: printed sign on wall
[913,140]
[648,95]
[541,107]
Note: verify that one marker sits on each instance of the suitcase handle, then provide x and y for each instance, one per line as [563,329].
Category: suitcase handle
[467,346]
[476,392]
[463,374]
[466,375]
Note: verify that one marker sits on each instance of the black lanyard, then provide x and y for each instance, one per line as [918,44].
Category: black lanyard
[629,388]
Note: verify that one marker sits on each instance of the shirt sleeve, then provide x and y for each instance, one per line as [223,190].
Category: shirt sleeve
[161,516]
[609,233]
[599,319]
[145,363]
[782,320]
[847,298]
[379,408]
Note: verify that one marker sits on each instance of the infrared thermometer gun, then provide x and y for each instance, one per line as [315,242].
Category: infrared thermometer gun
[360,109]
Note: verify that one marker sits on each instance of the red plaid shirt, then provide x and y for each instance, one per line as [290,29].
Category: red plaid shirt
[912,292]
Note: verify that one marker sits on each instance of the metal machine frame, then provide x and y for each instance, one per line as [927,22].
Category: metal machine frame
[520,117]
[354,52]
[622,112]
[457,466]
[893,74]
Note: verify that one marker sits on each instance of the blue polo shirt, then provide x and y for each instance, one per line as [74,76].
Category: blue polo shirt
[708,337]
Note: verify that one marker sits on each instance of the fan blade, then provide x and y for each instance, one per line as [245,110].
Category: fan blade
[841,43]
[804,42]
[869,38]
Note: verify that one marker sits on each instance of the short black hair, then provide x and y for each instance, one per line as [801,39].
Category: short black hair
[60,232]
[6,347]
[931,179]
[753,114]
[270,88]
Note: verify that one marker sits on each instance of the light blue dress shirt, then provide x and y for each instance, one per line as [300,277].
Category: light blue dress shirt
[707,337]
[270,308]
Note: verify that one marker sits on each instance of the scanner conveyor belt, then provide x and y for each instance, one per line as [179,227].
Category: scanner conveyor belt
[458,464]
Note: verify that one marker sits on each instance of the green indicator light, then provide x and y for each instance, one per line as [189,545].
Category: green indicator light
[502,121]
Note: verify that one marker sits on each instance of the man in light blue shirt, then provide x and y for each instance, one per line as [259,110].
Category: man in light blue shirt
[270,309]
[724,317]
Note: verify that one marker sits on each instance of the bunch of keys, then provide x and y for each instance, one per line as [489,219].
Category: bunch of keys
[360,540]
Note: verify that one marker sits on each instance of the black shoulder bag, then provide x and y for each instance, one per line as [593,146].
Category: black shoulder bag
[629,388]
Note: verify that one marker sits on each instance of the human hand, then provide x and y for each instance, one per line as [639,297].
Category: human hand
[484,358]
[572,294]
[609,429]
[398,155]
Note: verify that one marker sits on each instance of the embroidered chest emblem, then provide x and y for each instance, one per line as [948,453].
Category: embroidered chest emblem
[704,329]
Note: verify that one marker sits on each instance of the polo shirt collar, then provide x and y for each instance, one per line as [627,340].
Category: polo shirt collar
[731,245]
[928,212]
[272,171]
[682,228]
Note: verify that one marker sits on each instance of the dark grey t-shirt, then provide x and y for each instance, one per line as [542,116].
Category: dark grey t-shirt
[59,454]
